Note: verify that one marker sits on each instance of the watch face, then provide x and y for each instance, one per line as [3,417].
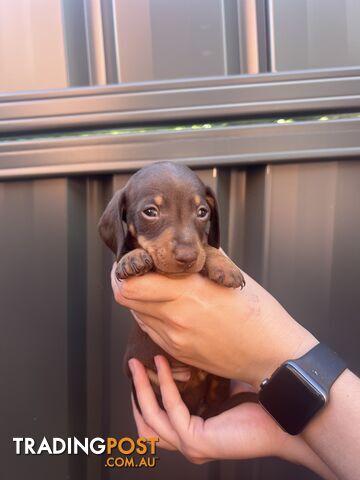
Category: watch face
[291,398]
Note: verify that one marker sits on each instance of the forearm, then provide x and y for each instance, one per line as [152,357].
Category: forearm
[334,433]
[246,335]
[301,453]
[276,338]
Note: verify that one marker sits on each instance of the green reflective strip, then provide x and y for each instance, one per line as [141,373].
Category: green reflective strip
[180,128]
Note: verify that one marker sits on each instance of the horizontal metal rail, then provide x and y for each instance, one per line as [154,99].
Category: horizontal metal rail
[230,145]
[179,100]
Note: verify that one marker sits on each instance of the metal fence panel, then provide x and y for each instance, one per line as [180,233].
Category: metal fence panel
[294,227]
[313,34]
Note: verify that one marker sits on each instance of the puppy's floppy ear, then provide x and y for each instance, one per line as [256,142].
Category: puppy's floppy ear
[214,232]
[110,226]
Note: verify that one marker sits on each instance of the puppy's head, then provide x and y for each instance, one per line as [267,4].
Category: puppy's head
[166,210]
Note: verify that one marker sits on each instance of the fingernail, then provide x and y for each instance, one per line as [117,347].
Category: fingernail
[157,362]
[131,364]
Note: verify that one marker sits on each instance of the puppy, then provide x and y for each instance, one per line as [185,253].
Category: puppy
[166,220]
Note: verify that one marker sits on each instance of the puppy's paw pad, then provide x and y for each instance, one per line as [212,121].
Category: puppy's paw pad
[217,275]
[136,262]
[147,261]
[228,276]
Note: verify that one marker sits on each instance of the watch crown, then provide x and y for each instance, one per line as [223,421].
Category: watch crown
[264,383]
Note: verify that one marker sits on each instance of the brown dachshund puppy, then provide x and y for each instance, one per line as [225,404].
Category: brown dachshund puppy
[166,220]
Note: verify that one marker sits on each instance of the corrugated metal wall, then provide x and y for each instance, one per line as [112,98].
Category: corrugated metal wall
[97,42]
[289,192]
[295,228]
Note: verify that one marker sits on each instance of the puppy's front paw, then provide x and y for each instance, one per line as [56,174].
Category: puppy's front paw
[136,262]
[224,272]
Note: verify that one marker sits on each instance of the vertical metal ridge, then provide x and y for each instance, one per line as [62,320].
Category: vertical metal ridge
[237,210]
[271,30]
[266,230]
[73,20]
[117,49]
[262,35]
[252,47]
[248,36]
[107,14]
[223,39]
[76,316]
[95,42]
[98,298]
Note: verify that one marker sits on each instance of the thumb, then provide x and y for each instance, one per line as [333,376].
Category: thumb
[153,287]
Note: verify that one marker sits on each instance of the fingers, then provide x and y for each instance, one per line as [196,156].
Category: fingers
[176,409]
[190,430]
[145,431]
[154,287]
[152,414]
[175,427]
[124,290]
[151,287]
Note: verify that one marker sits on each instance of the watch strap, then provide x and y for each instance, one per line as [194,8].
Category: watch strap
[323,365]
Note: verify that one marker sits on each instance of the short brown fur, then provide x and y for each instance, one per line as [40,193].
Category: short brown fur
[173,228]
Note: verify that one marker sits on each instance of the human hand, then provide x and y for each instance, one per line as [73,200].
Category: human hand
[243,432]
[243,334]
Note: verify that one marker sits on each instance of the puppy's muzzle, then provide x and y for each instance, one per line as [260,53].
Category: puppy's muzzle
[186,256]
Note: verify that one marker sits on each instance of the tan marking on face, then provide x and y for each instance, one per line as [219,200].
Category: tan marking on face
[158,200]
[197,200]
[132,230]
[160,249]
[144,243]
[162,252]
[210,201]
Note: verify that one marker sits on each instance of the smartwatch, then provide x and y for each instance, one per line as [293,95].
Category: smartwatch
[298,389]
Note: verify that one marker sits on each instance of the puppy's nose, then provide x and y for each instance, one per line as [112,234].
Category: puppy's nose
[185,255]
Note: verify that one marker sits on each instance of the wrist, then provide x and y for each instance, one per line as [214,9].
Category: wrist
[267,335]
[290,345]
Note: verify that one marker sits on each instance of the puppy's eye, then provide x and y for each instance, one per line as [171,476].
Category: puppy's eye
[151,212]
[202,212]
